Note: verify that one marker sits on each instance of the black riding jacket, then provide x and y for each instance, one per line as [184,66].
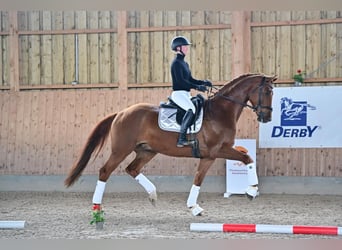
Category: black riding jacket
[181,75]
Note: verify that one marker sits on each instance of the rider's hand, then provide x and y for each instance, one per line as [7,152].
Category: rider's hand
[207,83]
[202,88]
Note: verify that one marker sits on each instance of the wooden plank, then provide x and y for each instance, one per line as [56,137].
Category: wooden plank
[33,133]
[269,46]
[70,136]
[132,49]
[12,113]
[54,137]
[62,133]
[257,43]
[40,131]
[332,45]
[200,46]
[34,49]
[114,59]
[48,133]
[283,47]
[144,57]
[93,47]
[225,57]
[339,47]
[157,48]
[2,81]
[4,130]
[13,58]
[46,49]
[81,23]
[213,47]
[170,19]
[241,43]
[99,112]
[23,48]
[6,57]
[185,20]
[57,49]
[122,53]
[26,142]
[69,48]
[297,39]
[20,115]
[313,45]
[104,48]
[79,133]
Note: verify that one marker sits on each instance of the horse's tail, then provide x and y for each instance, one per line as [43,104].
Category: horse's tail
[95,142]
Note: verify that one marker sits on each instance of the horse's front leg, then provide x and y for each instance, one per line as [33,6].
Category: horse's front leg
[240,154]
[202,170]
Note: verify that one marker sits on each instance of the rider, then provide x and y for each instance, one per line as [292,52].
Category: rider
[182,82]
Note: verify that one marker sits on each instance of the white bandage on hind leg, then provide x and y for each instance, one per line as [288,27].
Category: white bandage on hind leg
[99,190]
[192,199]
[252,174]
[146,183]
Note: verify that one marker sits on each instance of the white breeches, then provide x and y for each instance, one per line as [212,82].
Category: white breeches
[183,99]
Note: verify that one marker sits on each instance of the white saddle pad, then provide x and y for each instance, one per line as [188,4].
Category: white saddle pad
[167,121]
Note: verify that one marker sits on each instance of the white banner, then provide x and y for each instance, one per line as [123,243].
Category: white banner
[304,117]
[236,171]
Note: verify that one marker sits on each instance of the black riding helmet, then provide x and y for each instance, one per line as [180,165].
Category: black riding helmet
[179,41]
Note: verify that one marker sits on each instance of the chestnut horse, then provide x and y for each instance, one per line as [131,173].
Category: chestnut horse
[136,129]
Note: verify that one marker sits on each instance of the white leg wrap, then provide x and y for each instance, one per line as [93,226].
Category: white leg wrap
[192,199]
[251,174]
[146,183]
[99,190]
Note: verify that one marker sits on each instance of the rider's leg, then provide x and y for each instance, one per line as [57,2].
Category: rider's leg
[183,99]
[187,121]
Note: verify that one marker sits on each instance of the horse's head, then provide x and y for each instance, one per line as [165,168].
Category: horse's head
[261,97]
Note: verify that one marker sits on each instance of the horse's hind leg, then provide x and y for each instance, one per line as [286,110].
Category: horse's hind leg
[104,173]
[133,169]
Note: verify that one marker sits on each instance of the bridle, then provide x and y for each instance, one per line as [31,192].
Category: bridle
[256,108]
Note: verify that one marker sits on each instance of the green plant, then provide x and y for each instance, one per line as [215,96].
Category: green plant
[299,77]
[98,214]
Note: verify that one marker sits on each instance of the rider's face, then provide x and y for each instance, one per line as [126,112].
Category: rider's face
[185,49]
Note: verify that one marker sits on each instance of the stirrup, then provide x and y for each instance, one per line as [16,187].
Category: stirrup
[181,143]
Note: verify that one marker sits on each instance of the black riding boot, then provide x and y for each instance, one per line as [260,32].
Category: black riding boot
[186,122]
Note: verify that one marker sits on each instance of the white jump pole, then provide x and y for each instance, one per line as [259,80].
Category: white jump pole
[12,224]
[262,228]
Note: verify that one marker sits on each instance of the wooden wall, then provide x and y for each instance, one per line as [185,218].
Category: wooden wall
[124,59]
[309,45]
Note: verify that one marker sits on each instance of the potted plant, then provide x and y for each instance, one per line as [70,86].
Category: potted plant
[299,77]
[98,216]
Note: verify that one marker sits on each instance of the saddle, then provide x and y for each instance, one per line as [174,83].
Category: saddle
[171,115]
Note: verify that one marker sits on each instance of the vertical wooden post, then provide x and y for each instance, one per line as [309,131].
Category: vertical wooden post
[122,50]
[241,42]
[13,51]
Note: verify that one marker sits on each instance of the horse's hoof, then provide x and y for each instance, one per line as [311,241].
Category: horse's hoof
[153,198]
[196,210]
[252,192]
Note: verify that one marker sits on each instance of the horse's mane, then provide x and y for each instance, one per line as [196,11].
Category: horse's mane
[236,80]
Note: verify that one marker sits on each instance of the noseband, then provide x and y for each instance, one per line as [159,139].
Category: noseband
[257,107]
